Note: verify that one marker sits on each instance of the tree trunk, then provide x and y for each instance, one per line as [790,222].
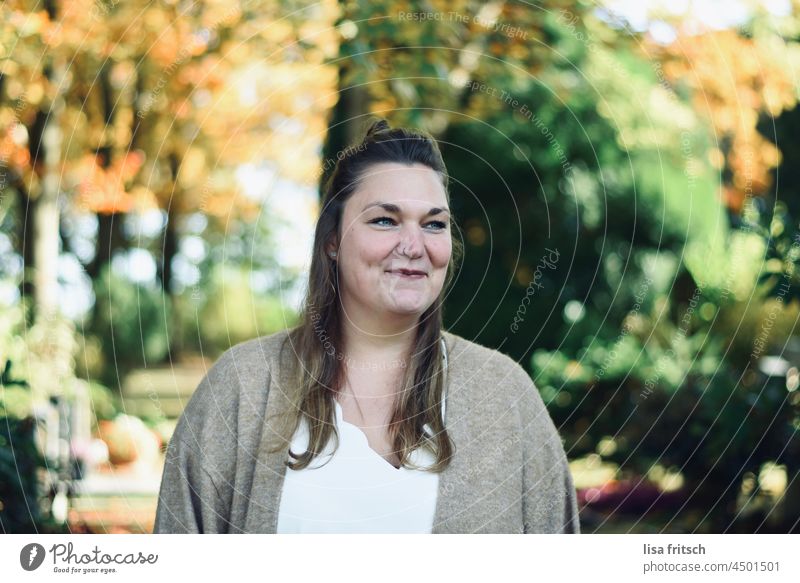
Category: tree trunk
[109,239]
[170,250]
[164,269]
[45,211]
[109,227]
[170,246]
[344,125]
[25,235]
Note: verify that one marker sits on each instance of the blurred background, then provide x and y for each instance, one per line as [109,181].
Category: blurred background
[622,179]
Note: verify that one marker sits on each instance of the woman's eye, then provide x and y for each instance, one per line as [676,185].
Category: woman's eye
[435,225]
[438,225]
[380,219]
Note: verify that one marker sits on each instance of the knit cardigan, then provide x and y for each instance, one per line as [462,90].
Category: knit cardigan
[509,472]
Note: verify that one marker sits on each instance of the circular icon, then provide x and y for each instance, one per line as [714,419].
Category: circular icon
[31,556]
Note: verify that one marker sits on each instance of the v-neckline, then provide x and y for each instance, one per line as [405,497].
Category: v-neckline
[365,439]
[340,416]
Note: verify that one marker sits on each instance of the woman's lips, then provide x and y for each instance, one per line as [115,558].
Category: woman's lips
[407,275]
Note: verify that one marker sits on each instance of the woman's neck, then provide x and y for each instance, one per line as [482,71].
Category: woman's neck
[377,343]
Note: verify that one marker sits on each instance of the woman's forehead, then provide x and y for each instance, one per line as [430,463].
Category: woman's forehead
[405,187]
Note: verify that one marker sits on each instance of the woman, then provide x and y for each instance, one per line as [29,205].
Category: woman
[338,424]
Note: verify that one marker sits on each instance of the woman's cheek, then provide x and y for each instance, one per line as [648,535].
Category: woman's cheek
[441,254]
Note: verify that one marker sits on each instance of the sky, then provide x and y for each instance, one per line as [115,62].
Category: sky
[716,14]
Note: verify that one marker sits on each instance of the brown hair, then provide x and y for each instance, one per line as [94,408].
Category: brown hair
[316,342]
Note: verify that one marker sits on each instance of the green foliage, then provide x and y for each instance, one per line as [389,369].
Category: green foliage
[16,396]
[233,313]
[20,462]
[132,322]
[677,387]
[105,403]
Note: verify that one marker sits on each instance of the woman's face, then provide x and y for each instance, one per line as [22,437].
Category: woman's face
[395,245]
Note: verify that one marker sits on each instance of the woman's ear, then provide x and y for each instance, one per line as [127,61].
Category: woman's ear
[331,249]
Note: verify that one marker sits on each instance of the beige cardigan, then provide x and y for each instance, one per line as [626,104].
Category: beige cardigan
[509,473]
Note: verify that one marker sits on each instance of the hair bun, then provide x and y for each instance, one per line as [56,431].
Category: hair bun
[377,126]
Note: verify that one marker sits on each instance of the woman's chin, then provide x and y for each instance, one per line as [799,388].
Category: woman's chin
[408,307]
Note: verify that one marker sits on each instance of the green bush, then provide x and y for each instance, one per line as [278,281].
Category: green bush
[19,484]
[37,363]
[671,390]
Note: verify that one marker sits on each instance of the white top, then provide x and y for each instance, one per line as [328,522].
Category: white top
[357,491]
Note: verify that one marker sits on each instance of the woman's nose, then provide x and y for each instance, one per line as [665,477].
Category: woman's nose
[411,242]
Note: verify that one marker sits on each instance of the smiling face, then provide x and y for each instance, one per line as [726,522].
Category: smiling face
[395,245]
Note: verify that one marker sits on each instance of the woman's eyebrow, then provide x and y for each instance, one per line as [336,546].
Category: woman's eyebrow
[393,208]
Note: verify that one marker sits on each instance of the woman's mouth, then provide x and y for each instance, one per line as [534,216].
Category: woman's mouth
[408,273]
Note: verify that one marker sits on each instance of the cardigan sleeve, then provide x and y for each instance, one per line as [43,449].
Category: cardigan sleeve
[188,501]
[196,489]
[549,501]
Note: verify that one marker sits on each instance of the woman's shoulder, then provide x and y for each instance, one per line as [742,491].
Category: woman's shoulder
[254,356]
[483,361]
[243,367]
[242,374]
[492,382]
